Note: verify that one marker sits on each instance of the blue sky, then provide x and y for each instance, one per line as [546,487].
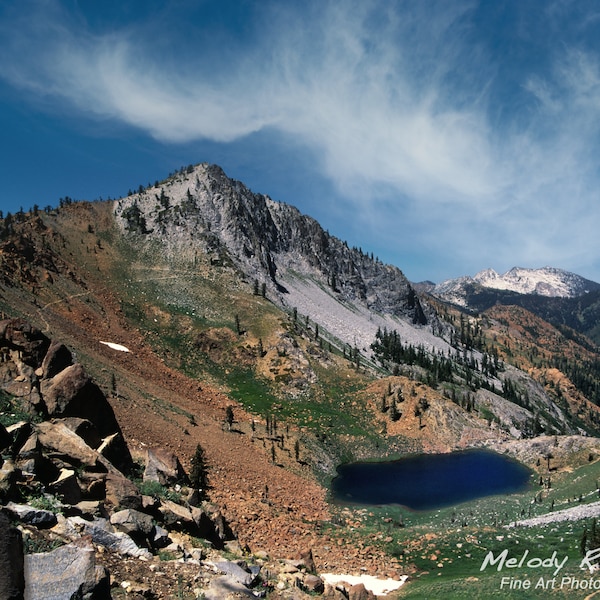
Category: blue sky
[444,137]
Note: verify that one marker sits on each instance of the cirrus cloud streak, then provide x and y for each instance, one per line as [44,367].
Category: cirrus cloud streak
[399,103]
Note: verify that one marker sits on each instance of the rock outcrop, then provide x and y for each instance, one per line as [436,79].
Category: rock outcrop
[266,238]
[72,393]
[66,572]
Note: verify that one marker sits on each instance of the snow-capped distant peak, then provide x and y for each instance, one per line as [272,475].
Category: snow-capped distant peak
[486,275]
[547,281]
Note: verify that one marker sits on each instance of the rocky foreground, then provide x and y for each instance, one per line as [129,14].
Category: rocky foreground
[80,518]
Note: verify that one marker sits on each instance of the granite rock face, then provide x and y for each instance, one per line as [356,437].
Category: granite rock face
[266,239]
[65,573]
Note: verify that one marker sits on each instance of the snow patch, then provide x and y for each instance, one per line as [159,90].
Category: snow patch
[114,346]
[379,587]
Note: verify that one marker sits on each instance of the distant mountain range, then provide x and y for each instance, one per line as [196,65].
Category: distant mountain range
[558,296]
[547,281]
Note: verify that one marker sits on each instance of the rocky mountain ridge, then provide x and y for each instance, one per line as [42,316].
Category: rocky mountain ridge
[272,243]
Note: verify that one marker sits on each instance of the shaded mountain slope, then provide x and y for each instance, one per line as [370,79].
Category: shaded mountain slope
[555,295]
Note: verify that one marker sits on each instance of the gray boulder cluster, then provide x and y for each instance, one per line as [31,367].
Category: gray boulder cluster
[68,484]
[70,493]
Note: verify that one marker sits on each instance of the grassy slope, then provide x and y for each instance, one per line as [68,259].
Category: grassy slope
[174,304]
[448,546]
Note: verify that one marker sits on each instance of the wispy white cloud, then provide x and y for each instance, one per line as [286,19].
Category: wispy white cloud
[394,99]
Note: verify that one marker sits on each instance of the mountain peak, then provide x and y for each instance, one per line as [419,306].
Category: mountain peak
[486,275]
[200,209]
[545,281]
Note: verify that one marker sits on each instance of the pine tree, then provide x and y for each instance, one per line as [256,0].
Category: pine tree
[394,414]
[198,473]
[583,542]
[229,416]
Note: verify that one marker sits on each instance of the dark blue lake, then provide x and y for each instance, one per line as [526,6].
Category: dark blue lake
[429,481]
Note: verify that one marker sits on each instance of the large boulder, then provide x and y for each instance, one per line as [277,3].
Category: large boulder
[237,571]
[359,592]
[30,459]
[12,578]
[313,584]
[85,429]
[31,516]
[98,477]
[179,517]
[103,534]
[65,573]
[122,492]
[60,442]
[139,526]
[113,447]
[226,587]
[163,466]
[72,393]
[58,357]
[29,342]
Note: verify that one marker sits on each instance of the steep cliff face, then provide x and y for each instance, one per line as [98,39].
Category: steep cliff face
[201,208]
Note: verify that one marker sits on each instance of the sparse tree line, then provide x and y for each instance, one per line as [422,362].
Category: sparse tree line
[389,348]
[8,220]
[181,171]
[461,369]
[392,401]
[274,432]
[583,372]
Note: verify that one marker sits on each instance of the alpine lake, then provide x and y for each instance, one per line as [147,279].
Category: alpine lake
[429,481]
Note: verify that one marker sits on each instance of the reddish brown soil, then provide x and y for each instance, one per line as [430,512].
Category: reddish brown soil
[275,507]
